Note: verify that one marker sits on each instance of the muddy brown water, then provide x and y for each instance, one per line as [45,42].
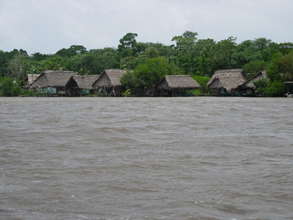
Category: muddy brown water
[146,158]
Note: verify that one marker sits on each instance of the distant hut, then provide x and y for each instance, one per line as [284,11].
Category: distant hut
[248,87]
[109,82]
[224,82]
[30,79]
[52,82]
[79,85]
[176,85]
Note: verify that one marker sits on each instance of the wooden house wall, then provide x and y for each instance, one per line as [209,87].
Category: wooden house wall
[48,90]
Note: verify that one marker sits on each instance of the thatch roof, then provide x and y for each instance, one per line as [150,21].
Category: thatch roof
[31,78]
[52,78]
[109,78]
[259,76]
[178,82]
[228,79]
[115,76]
[85,81]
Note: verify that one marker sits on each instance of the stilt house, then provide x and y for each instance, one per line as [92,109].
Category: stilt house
[109,82]
[80,85]
[176,85]
[52,82]
[30,79]
[248,88]
[224,82]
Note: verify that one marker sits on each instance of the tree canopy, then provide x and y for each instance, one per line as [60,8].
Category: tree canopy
[188,54]
[148,74]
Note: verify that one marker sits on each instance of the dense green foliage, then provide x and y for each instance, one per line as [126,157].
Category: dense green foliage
[281,67]
[254,67]
[151,61]
[203,81]
[148,74]
[9,87]
[12,87]
[270,88]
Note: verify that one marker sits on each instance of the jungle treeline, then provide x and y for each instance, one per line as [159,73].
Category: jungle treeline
[149,62]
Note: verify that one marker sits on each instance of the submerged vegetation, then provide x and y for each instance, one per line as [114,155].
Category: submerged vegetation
[148,63]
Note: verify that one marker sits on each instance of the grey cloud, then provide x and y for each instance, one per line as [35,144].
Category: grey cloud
[48,25]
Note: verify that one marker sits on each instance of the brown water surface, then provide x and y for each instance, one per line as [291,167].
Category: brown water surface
[146,158]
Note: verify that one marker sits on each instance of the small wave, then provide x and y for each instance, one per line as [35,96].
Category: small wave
[233,209]
[202,218]
[113,130]
[49,120]
[131,189]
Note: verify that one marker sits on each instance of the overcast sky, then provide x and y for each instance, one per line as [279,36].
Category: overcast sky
[49,25]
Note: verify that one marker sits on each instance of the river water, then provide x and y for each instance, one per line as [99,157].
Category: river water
[146,158]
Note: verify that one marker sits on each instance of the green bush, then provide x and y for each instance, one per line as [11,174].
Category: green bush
[281,68]
[195,92]
[127,93]
[254,67]
[146,75]
[29,93]
[270,89]
[203,81]
[261,85]
[9,87]
[275,89]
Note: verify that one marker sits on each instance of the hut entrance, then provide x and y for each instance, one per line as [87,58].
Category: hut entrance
[72,89]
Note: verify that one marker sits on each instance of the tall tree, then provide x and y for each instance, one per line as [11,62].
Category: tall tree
[185,51]
[204,60]
[128,45]
[149,73]
[18,66]
[224,54]
[71,51]
[94,62]
[281,67]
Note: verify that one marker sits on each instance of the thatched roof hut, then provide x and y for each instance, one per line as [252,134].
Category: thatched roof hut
[85,81]
[259,76]
[31,78]
[224,81]
[80,85]
[52,82]
[109,81]
[172,85]
[248,87]
[52,78]
[109,78]
[178,82]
